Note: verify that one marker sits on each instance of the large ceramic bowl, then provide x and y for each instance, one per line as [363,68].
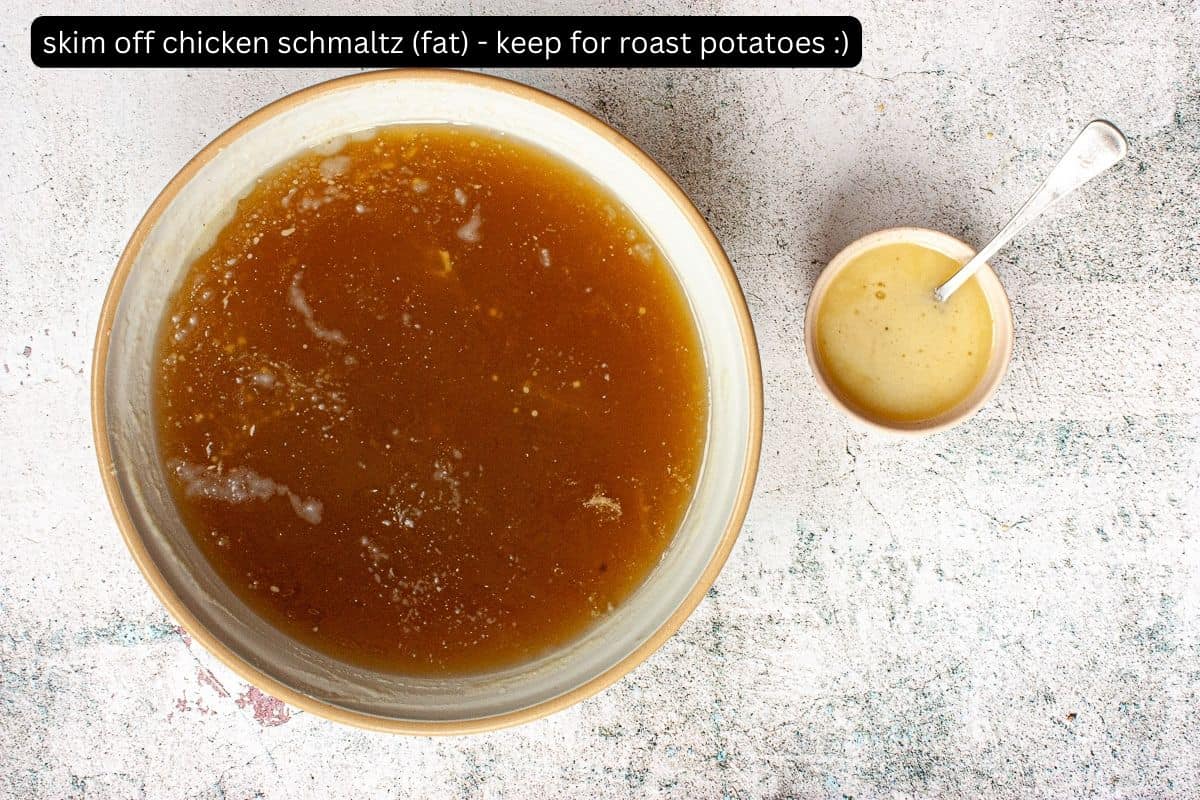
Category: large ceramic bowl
[181,224]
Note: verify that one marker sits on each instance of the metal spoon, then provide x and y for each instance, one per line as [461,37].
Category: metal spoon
[1098,147]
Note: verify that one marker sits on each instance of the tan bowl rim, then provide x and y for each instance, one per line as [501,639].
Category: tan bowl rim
[175,606]
[1002,348]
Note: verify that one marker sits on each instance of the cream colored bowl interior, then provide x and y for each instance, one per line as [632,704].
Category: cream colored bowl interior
[187,225]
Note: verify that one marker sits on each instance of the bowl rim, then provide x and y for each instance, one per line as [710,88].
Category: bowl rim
[179,611]
[998,303]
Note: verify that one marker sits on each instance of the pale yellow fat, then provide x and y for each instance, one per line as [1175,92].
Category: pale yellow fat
[892,350]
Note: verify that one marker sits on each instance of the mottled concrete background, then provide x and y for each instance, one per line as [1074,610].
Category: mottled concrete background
[1010,609]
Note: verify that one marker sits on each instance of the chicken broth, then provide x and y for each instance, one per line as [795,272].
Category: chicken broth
[433,402]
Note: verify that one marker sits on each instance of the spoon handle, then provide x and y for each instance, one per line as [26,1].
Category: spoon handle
[1098,147]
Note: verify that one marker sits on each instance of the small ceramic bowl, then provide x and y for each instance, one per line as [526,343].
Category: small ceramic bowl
[181,224]
[1002,330]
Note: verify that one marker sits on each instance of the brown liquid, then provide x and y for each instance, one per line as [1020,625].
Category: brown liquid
[432,404]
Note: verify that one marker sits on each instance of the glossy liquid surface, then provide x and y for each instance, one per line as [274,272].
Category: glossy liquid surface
[433,402]
[889,347]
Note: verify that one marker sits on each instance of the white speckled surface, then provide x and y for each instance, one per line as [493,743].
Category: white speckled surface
[1009,609]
